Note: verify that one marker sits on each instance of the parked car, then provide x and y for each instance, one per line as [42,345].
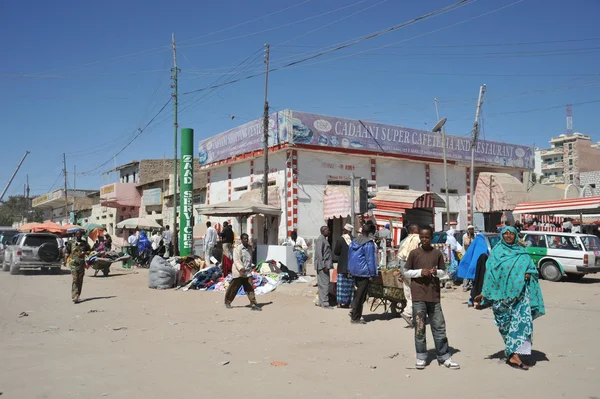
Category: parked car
[558,255]
[439,237]
[5,238]
[33,251]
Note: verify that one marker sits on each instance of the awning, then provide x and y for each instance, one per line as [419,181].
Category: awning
[336,202]
[585,206]
[238,208]
[256,196]
[391,203]
[497,192]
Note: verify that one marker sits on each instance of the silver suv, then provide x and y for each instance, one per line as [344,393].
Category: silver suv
[33,251]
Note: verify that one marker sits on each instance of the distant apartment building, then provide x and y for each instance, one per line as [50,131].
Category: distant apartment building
[567,157]
[590,183]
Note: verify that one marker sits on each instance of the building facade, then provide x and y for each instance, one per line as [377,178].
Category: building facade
[567,157]
[54,203]
[311,161]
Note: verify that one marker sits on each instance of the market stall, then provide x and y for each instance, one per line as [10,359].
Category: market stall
[548,210]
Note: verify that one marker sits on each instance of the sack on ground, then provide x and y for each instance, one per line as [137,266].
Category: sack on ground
[161,275]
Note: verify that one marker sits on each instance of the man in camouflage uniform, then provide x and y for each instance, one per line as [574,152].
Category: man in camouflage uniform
[77,250]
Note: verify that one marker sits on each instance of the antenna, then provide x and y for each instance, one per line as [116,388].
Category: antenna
[569,119]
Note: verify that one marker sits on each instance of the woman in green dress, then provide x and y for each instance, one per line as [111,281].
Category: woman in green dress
[511,287]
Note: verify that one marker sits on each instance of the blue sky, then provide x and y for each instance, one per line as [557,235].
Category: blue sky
[82,77]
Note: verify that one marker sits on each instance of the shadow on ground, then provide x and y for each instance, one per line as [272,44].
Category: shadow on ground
[531,360]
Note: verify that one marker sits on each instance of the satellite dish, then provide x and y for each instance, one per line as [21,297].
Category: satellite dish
[438,127]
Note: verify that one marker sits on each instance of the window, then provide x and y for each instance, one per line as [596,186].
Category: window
[398,187]
[453,218]
[535,241]
[272,183]
[571,178]
[450,191]
[240,188]
[570,146]
[591,243]
[570,162]
[563,242]
[593,185]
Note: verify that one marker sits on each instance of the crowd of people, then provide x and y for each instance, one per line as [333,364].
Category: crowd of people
[507,282]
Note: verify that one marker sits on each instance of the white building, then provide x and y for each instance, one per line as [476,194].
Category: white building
[312,157]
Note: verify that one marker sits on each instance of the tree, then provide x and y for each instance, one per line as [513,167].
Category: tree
[17,207]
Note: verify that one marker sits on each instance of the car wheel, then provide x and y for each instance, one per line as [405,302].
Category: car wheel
[14,269]
[550,271]
[5,265]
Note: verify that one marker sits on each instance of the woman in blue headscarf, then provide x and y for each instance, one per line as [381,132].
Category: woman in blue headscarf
[473,260]
[511,286]
[143,242]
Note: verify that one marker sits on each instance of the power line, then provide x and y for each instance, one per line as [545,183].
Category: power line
[277,27]
[423,34]
[247,22]
[139,132]
[343,46]
[478,45]
[330,23]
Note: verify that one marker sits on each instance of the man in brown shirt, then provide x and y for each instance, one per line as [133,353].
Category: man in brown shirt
[424,266]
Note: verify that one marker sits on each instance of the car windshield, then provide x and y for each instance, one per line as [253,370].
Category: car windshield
[36,241]
[7,236]
[591,243]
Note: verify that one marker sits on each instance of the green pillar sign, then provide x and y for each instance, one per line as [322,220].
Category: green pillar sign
[186,211]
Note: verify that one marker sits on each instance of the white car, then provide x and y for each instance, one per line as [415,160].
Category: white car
[563,254]
[33,251]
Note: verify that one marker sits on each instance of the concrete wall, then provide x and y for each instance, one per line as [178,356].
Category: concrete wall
[591,178]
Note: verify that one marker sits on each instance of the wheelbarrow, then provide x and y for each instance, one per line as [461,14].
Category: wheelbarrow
[103,264]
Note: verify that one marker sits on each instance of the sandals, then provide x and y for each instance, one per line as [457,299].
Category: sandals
[521,366]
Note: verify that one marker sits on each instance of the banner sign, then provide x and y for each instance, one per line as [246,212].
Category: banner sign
[152,196]
[328,131]
[239,140]
[186,210]
[295,127]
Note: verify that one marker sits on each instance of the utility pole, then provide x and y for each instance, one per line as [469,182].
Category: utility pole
[437,113]
[66,192]
[175,71]
[473,147]
[352,209]
[266,143]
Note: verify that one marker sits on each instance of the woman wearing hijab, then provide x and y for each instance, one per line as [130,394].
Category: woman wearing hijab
[511,287]
[469,265]
[345,283]
[455,247]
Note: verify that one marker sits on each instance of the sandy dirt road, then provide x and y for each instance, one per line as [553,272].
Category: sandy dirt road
[128,341]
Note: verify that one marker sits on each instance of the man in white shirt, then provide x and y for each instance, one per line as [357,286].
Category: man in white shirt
[133,240]
[210,240]
[167,238]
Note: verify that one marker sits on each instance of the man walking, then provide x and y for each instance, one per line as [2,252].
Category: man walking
[242,274]
[323,263]
[362,264]
[345,284]
[410,243]
[210,240]
[168,241]
[425,266]
[77,249]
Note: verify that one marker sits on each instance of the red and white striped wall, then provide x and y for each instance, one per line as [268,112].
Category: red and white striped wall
[428,189]
[469,197]
[251,218]
[374,171]
[291,170]
[229,183]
